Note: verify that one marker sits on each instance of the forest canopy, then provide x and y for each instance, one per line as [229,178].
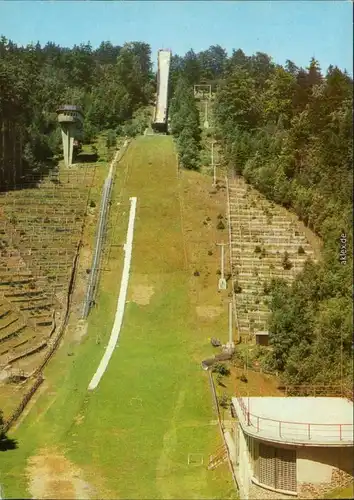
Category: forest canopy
[286,129]
[110,83]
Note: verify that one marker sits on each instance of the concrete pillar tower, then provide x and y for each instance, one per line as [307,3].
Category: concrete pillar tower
[71,120]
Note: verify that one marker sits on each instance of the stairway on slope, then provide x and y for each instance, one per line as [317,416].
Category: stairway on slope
[26,313]
[261,233]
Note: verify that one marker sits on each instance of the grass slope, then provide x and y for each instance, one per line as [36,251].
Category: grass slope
[131,437]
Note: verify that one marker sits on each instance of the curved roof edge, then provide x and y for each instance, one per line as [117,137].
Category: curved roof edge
[69,107]
[291,433]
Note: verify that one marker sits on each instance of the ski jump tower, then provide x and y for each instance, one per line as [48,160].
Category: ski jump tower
[163,69]
[71,120]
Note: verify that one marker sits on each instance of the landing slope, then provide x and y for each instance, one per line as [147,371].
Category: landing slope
[131,436]
[153,399]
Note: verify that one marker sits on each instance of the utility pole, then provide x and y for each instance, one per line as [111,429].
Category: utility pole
[206,123]
[222,280]
[213,164]
[230,344]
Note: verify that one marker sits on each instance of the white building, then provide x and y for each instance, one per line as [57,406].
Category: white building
[285,447]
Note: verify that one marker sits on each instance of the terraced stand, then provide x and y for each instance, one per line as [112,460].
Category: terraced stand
[261,233]
[40,229]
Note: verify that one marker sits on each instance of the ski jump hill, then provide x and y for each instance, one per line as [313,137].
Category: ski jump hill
[161,110]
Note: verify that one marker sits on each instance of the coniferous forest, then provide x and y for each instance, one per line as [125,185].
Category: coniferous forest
[286,129]
[110,83]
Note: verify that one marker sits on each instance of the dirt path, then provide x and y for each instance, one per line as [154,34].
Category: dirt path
[52,475]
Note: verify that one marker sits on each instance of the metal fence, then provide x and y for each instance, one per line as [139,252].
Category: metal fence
[101,230]
[92,284]
[297,430]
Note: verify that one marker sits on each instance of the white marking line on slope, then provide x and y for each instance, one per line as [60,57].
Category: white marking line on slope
[118,320]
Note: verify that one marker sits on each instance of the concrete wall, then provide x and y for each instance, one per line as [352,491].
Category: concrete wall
[315,464]
[243,469]
[321,469]
[164,57]
[68,134]
[323,460]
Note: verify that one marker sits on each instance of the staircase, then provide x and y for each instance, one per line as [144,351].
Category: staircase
[217,459]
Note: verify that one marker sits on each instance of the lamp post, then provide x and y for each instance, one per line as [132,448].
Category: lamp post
[222,280]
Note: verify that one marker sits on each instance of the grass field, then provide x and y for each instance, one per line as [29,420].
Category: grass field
[347,492]
[131,437]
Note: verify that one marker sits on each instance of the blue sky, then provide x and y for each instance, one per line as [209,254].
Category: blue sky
[295,30]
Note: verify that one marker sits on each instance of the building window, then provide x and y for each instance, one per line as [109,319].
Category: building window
[276,467]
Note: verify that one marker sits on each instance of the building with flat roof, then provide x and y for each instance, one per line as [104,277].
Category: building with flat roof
[284,447]
[262,337]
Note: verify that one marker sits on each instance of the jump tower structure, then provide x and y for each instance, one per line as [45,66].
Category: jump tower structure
[161,110]
[71,120]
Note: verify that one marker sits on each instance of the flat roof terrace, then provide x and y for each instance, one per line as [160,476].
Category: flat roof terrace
[69,113]
[69,107]
[307,421]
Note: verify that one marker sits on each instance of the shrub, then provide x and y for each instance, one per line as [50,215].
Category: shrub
[92,204]
[243,378]
[219,379]
[257,249]
[111,140]
[220,225]
[224,401]
[286,262]
[301,250]
[222,369]
[210,252]
[196,273]
[266,288]
[90,131]
[237,288]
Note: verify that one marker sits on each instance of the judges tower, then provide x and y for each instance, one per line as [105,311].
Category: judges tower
[71,120]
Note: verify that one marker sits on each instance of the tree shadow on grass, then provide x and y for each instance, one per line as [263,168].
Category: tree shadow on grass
[7,443]
[86,158]
[29,178]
